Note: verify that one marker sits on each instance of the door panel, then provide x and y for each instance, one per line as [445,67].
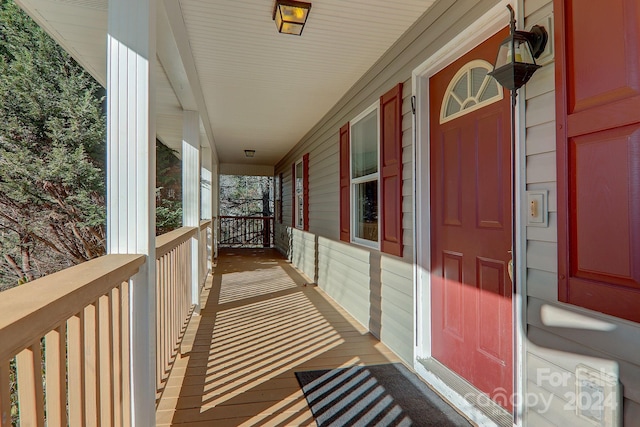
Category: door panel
[451,190]
[453,316]
[472,330]
[605,164]
[490,173]
[492,293]
[614,47]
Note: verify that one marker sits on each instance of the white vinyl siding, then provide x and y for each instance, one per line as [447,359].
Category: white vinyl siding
[303,255]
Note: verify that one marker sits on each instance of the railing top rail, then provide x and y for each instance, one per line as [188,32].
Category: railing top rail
[32,310]
[204,223]
[171,240]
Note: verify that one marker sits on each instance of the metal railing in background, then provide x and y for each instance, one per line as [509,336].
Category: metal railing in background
[246,231]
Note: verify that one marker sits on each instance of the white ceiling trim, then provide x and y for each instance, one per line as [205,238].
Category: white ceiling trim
[176,23]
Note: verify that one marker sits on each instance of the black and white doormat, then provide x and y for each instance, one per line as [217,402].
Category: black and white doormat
[379,395]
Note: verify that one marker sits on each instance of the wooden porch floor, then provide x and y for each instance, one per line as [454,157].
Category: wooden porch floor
[258,325]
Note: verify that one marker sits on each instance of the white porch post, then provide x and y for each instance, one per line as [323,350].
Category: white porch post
[131,166]
[205,189]
[215,190]
[191,193]
[205,206]
[215,205]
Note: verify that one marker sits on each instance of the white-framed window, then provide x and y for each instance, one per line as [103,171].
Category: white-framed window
[365,177]
[470,89]
[299,194]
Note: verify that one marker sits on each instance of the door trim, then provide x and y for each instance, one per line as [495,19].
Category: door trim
[490,23]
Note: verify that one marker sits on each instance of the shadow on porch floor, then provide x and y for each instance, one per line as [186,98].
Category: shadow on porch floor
[258,325]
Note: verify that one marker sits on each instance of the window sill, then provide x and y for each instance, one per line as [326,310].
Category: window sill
[366,243]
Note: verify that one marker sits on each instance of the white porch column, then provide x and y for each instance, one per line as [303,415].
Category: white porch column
[205,205]
[131,162]
[215,204]
[205,189]
[191,193]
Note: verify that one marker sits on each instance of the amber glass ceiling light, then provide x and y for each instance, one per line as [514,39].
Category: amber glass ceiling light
[290,16]
[516,62]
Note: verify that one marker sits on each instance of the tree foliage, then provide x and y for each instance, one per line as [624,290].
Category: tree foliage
[168,189]
[52,157]
[52,133]
[246,195]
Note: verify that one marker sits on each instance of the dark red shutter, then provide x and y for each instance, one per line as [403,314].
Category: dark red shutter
[598,155]
[293,195]
[391,170]
[305,191]
[280,200]
[345,182]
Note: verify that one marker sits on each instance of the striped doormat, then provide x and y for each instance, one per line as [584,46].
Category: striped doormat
[378,395]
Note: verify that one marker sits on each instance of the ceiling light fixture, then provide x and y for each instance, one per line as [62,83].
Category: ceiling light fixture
[249,153]
[290,16]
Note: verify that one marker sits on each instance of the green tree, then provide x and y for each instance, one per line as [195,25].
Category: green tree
[168,189]
[246,195]
[52,155]
[52,134]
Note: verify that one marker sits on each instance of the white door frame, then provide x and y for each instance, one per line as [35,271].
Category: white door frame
[490,23]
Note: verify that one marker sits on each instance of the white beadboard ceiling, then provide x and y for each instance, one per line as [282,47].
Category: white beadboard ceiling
[255,88]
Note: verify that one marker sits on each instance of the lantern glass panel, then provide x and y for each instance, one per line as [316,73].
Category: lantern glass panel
[522,52]
[293,14]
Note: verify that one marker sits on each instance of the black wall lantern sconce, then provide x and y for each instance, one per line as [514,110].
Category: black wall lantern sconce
[516,60]
[514,66]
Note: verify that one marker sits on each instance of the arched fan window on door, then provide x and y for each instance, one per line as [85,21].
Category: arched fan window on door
[471,88]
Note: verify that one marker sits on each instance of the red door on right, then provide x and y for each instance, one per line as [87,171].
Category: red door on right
[598,154]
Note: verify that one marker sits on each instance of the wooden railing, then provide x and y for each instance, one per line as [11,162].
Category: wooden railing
[70,332]
[246,231]
[215,239]
[77,320]
[206,247]
[173,298]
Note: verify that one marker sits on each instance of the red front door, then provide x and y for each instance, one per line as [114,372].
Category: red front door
[471,228]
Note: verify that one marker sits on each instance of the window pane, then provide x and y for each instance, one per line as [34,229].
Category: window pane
[490,91]
[469,90]
[453,106]
[364,145]
[461,89]
[478,75]
[300,208]
[299,178]
[366,210]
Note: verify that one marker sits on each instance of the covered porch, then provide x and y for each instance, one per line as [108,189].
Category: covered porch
[146,334]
